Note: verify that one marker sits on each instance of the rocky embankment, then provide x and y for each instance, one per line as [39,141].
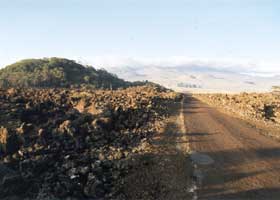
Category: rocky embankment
[75,144]
[263,107]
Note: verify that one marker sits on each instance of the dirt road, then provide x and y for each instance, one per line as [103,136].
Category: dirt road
[247,164]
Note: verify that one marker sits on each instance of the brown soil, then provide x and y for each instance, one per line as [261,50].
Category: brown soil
[246,163]
[262,110]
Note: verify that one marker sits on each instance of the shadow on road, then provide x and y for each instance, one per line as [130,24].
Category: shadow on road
[258,194]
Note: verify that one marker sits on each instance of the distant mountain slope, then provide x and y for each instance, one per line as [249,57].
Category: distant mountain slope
[56,72]
[197,78]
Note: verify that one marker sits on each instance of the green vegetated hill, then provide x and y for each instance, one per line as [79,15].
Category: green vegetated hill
[57,72]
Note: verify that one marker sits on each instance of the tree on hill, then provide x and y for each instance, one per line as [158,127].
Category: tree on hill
[56,72]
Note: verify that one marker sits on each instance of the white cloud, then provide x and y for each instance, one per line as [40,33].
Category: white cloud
[235,65]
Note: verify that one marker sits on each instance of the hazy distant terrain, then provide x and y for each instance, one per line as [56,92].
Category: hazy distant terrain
[198,78]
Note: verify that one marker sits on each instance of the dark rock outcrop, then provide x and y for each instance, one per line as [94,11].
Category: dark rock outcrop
[75,142]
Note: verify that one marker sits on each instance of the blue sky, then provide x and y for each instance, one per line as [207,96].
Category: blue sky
[103,32]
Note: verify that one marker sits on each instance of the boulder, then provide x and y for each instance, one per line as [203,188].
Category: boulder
[14,142]
[3,139]
[66,128]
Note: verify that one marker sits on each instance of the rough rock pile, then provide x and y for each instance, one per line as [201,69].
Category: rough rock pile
[256,106]
[75,144]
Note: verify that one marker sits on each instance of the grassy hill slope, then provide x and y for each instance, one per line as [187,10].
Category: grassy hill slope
[56,72]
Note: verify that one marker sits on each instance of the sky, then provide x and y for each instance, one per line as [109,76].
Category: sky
[224,33]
